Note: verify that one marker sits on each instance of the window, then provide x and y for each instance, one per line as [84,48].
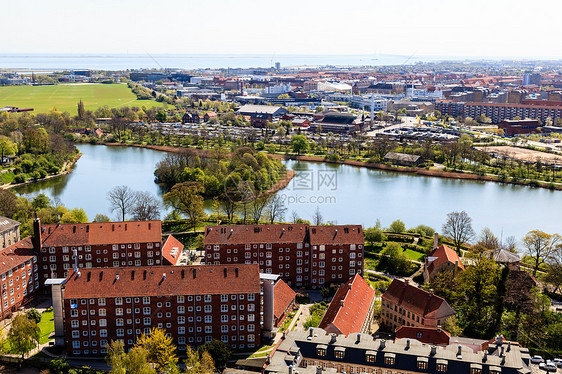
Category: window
[251,297]
[320,351]
[441,367]
[389,360]
[422,364]
[208,319]
[208,309]
[371,357]
[146,321]
[118,311]
[146,300]
[181,309]
[181,299]
[118,301]
[146,310]
[119,332]
[181,320]
[339,352]
[475,370]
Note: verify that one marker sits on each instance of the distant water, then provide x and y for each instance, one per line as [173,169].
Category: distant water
[125,61]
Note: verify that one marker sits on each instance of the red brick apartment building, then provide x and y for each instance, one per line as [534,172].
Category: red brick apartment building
[194,304]
[18,276]
[303,255]
[107,244]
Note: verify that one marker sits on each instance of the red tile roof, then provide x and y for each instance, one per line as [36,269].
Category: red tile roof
[171,250]
[337,234]
[412,298]
[250,234]
[163,281]
[73,234]
[16,254]
[349,307]
[425,335]
[442,255]
[283,296]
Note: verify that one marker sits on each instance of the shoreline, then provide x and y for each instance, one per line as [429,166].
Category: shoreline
[68,170]
[409,170]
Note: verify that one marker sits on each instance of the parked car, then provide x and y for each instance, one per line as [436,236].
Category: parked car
[537,360]
[549,366]
[558,362]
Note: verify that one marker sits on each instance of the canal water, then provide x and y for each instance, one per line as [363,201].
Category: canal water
[341,193]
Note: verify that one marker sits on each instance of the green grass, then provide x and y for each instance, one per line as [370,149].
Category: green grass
[47,326]
[413,255]
[6,178]
[66,96]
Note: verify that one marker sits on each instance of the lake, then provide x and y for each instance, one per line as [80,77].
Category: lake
[342,193]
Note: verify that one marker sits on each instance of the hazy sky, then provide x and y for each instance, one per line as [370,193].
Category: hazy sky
[475,28]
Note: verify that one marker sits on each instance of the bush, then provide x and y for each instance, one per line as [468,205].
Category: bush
[20,178]
[34,315]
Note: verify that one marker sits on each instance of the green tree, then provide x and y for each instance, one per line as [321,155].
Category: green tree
[540,246]
[187,198]
[81,110]
[34,315]
[161,116]
[23,335]
[198,362]
[76,215]
[374,235]
[101,218]
[218,351]
[299,144]
[7,147]
[397,227]
[161,349]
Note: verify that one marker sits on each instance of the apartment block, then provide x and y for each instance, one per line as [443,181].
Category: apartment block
[194,304]
[304,255]
[9,232]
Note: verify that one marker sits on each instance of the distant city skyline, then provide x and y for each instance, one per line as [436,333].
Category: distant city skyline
[472,29]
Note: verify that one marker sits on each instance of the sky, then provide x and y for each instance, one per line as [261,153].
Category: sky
[448,28]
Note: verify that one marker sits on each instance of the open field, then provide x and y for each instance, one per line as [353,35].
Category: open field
[66,96]
[523,154]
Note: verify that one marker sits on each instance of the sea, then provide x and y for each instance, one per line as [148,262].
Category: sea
[114,62]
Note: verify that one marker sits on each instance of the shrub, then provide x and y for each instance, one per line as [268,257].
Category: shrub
[20,178]
[34,315]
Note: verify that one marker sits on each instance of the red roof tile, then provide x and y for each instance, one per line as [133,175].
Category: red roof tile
[442,255]
[283,296]
[171,250]
[412,298]
[73,234]
[249,234]
[150,281]
[340,234]
[425,335]
[16,254]
[350,307]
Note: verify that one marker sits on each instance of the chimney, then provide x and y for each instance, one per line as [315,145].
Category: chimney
[290,369]
[358,337]
[236,272]
[332,338]
[407,343]
[194,273]
[501,352]
[37,235]
[485,358]
[310,330]
[182,274]
[433,350]
[74,229]
[383,344]
[225,271]
[459,352]
[125,227]
[164,276]
[87,228]
[132,275]
[116,276]
[268,358]
[508,346]
[318,369]
[435,240]
[144,275]
[149,225]
[112,227]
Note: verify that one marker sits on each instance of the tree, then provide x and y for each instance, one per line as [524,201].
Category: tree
[540,246]
[76,215]
[458,228]
[397,227]
[198,362]
[299,144]
[8,203]
[488,240]
[218,351]
[136,361]
[317,218]
[23,335]
[81,110]
[187,198]
[34,315]
[275,209]
[374,235]
[122,200]
[258,207]
[146,207]
[161,116]
[101,218]
[116,356]
[7,147]
[161,349]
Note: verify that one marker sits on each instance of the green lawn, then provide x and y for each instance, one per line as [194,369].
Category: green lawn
[66,96]
[47,326]
[413,255]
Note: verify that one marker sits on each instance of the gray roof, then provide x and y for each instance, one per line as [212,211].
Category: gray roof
[7,224]
[356,348]
[268,109]
[506,256]
[401,157]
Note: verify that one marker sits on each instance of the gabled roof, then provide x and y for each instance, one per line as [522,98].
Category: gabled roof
[16,254]
[441,255]
[73,234]
[412,298]
[250,234]
[171,250]
[401,157]
[283,296]
[336,234]
[349,307]
[162,281]
[269,109]
[427,335]
[505,256]
[7,224]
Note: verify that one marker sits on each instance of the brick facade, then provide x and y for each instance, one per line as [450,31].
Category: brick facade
[194,304]
[309,256]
